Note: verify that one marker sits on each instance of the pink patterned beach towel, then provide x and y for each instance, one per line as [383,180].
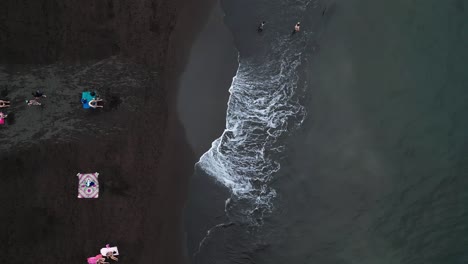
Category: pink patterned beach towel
[88,185]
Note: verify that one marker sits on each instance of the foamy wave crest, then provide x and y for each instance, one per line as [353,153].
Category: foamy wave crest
[262,108]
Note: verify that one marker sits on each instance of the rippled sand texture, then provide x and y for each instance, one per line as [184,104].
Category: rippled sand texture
[61,117]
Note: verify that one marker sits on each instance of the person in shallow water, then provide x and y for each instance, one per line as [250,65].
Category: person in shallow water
[260,27]
[4,104]
[297,27]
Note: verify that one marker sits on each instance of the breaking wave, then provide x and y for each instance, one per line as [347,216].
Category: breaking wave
[263,107]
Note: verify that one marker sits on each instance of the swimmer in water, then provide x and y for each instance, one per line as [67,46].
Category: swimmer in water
[260,27]
[297,28]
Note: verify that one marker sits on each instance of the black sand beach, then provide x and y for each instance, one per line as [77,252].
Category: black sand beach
[138,146]
[342,143]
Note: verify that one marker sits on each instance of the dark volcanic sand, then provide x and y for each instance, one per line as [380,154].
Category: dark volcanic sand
[138,148]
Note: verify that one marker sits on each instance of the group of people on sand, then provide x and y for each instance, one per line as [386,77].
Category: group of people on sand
[6,104]
[36,101]
[296,29]
[3,104]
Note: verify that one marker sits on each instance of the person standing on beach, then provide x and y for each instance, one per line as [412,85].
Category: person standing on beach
[260,27]
[297,27]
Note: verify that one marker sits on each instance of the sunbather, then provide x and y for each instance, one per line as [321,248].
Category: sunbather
[95,103]
[2,118]
[33,102]
[110,253]
[4,104]
[98,259]
[111,256]
[38,94]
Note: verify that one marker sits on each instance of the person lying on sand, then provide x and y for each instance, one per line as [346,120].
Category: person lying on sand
[94,103]
[111,256]
[98,259]
[2,118]
[4,104]
[33,102]
[38,94]
[90,183]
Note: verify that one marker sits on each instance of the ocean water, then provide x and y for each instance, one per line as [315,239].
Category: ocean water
[345,143]
[263,109]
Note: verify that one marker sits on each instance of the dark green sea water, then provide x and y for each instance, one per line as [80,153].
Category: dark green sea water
[378,172]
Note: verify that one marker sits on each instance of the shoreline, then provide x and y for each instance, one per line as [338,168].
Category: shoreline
[202,106]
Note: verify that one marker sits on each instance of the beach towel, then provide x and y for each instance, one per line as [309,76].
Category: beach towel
[85,98]
[88,185]
[105,250]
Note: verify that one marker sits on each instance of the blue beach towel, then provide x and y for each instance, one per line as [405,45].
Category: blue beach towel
[85,98]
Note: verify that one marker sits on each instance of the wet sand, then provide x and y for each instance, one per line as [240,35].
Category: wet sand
[203,90]
[202,104]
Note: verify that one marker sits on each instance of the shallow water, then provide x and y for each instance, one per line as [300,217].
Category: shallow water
[263,107]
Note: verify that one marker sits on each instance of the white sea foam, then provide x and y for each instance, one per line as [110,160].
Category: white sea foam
[262,107]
